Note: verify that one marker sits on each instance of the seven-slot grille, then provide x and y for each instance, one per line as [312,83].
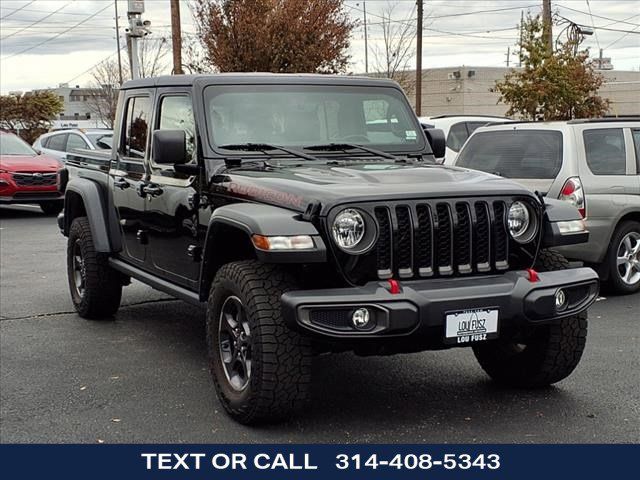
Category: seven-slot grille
[35,179]
[440,238]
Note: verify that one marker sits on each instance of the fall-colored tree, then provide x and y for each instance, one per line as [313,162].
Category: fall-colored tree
[30,115]
[558,85]
[274,35]
[394,56]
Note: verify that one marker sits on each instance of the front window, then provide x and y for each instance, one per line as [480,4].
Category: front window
[14,145]
[299,116]
[514,153]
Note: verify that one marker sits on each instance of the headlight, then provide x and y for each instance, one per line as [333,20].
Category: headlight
[522,222]
[348,229]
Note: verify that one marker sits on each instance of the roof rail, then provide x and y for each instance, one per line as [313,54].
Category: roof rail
[629,118]
[466,115]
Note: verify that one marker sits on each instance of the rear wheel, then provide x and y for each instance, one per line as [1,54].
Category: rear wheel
[261,369]
[543,356]
[624,258]
[52,208]
[96,288]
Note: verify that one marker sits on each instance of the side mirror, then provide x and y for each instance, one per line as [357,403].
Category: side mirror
[436,139]
[170,147]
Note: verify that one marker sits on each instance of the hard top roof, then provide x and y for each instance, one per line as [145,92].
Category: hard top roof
[255,78]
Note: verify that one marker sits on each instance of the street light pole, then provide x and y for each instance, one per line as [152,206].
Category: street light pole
[366,47]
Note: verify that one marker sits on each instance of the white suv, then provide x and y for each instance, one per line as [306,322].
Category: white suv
[57,144]
[457,129]
[593,164]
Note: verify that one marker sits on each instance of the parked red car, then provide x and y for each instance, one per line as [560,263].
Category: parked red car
[28,177]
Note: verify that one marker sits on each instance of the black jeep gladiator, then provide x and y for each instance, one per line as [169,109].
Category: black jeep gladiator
[307,213]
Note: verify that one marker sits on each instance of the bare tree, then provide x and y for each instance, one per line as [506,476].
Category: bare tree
[395,56]
[104,87]
[153,53]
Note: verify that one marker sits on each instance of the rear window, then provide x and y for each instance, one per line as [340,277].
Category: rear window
[604,148]
[514,153]
[57,142]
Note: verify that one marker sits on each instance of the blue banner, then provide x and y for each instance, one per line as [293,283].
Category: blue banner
[319,462]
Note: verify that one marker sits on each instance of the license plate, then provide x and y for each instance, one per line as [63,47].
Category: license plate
[469,326]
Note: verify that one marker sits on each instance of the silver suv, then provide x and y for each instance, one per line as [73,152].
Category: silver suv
[593,164]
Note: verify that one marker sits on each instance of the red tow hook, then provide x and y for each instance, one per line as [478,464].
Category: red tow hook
[394,286]
[533,275]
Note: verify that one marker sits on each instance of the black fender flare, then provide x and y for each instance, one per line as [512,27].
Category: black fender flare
[560,211]
[94,205]
[258,219]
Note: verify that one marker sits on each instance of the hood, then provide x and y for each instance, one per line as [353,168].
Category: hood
[296,187]
[27,163]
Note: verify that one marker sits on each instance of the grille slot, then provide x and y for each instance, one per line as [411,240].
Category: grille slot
[444,236]
[424,241]
[501,236]
[482,240]
[463,238]
[405,242]
[335,319]
[35,179]
[384,246]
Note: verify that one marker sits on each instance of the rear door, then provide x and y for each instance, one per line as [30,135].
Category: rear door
[55,146]
[128,175]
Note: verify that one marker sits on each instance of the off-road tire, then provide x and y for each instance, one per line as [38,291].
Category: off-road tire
[52,208]
[102,284]
[614,281]
[281,358]
[550,353]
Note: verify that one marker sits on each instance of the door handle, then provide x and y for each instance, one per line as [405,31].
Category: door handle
[150,189]
[121,183]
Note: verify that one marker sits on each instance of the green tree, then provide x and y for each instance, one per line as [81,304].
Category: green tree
[274,35]
[30,114]
[558,85]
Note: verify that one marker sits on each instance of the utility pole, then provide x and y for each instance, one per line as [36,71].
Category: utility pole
[366,47]
[137,29]
[547,24]
[176,37]
[508,55]
[419,60]
[115,3]
[520,43]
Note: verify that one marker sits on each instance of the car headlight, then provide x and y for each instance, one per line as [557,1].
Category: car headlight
[348,229]
[521,222]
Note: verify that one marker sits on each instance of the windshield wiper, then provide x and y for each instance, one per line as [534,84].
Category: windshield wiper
[329,147]
[265,147]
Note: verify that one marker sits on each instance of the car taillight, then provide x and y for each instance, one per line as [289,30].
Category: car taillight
[573,193]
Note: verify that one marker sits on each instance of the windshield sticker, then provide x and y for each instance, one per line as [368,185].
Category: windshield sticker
[410,134]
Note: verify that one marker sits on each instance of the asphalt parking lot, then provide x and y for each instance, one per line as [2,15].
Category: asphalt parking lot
[143,377]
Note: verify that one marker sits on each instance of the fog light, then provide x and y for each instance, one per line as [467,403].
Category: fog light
[360,318]
[561,300]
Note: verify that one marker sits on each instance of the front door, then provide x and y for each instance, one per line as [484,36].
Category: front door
[172,212]
[128,175]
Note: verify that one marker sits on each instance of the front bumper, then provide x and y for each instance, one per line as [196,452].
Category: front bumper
[420,307]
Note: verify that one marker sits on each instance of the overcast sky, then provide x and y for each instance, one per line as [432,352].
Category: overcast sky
[47,42]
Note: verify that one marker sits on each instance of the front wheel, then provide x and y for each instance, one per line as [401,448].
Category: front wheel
[543,356]
[261,369]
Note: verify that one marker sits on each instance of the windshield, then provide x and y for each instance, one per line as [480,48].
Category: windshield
[13,145]
[300,116]
[514,153]
[101,141]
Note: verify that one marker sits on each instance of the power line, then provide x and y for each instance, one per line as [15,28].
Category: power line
[59,34]
[593,25]
[38,21]
[600,16]
[95,65]
[620,38]
[17,10]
